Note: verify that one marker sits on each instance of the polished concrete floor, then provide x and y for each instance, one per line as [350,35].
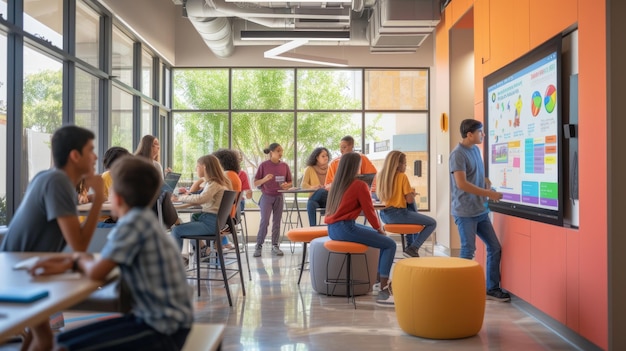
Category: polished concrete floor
[279,314]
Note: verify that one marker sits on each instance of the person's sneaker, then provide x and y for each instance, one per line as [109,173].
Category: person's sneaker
[276,251]
[411,251]
[257,251]
[376,288]
[385,298]
[498,295]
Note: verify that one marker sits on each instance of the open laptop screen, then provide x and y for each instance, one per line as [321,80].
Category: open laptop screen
[171,180]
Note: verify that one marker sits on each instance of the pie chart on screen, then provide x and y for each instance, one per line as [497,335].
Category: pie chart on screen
[535,106]
[550,98]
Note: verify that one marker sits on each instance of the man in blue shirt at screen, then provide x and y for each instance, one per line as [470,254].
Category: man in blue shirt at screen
[469,190]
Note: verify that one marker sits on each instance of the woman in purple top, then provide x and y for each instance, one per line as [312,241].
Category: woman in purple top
[272,175]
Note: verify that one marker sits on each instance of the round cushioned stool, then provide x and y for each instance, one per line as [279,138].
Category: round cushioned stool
[347,249]
[439,297]
[403,229]
[306,235]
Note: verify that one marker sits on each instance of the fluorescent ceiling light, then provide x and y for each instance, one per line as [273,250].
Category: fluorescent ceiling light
[295,35]
[280,53]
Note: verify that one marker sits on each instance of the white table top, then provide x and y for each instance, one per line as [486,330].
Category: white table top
[65,290]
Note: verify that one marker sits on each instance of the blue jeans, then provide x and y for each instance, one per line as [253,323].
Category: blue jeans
[358,233]
[123,333]
[480,225]
[317,200]
[268,205]
[394,215]
[205,225]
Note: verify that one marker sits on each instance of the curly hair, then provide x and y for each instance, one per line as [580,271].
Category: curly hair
[312,160]
[229,159]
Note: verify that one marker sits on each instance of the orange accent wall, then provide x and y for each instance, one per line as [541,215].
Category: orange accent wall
[560,271]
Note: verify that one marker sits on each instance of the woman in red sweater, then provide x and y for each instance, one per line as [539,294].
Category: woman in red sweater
[347,197]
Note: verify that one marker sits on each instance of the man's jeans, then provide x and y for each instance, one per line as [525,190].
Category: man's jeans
[480,225]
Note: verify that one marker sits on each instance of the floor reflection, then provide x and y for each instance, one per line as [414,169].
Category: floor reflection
[277,314]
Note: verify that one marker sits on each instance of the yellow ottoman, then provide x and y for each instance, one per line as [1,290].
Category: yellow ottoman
[439,297]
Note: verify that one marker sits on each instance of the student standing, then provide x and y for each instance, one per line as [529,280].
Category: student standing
[470,190]
[272,175]
[347,198]
[162,312]
[395,191]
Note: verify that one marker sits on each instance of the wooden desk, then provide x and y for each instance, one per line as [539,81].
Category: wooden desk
[65,290]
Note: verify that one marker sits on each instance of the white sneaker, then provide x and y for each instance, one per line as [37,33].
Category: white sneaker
[376,288]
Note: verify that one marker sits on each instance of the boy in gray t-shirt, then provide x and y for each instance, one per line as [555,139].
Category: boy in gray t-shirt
[469,190]
[47,218]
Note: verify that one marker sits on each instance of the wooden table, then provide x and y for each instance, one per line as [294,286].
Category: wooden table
[65,290]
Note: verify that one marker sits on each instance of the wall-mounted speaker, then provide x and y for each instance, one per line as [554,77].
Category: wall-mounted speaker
[417,168]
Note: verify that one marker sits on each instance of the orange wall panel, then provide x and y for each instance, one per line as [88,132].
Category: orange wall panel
[515,267]
[547,18]
[548,269]
[573,279]
[592,126]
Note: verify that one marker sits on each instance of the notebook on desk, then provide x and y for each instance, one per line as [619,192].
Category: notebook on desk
[171,180]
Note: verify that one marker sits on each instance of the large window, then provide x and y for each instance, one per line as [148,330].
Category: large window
[43,104]
[44,19]
[123,56]
[302,109]
[121,119]
[86,98]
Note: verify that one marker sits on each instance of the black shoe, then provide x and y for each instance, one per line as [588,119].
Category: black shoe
[498,295]
[411,251]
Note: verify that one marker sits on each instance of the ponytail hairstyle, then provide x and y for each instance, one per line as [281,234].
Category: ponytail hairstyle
[349,166]
[213,171]
[386,177]
[270,148]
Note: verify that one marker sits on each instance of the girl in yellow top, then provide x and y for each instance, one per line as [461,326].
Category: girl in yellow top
[314,178]
[395,191]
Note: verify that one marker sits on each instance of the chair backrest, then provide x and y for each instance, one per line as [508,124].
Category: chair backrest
[226,206]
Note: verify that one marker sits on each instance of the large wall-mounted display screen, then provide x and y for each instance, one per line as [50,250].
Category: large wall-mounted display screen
[523,142]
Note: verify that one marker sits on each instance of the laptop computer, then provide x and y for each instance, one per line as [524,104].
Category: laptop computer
[367,178]
[171,180]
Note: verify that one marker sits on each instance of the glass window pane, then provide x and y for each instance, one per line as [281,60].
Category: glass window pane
[252,132]
[325,129]
[195,135]
[406,132]
[86,112]
[167,99]
[396,90]
[121,119]
[43,103]
[263,89]
[44,19]
[146,119]
[320,89]
[146,73]
[201,89]
[122,60]
[3,127]
[87,34]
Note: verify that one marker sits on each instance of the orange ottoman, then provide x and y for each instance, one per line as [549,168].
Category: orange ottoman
[305,235]
[439,297]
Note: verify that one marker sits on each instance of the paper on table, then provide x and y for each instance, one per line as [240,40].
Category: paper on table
[27,263]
